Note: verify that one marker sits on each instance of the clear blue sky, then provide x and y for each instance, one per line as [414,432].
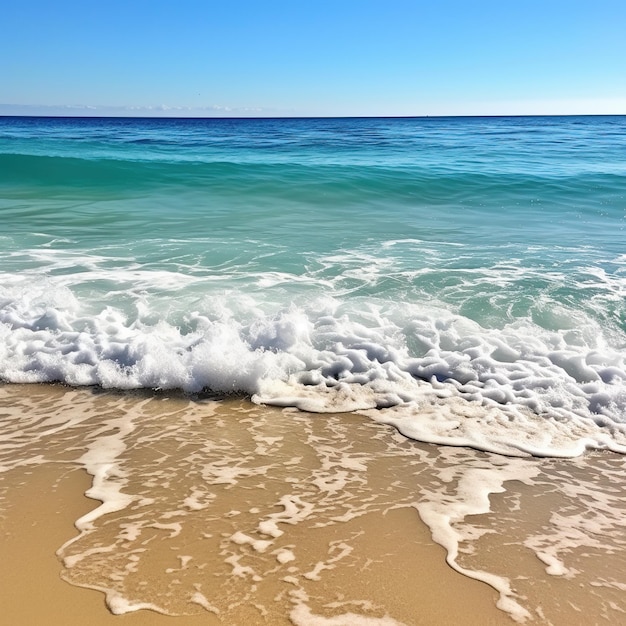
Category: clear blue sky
[300,57]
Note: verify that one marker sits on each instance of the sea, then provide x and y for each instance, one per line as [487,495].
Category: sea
[454,286]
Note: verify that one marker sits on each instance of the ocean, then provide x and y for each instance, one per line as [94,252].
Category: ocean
[449,281]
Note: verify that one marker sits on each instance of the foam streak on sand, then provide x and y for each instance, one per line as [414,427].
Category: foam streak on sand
[314,520]
[474,486]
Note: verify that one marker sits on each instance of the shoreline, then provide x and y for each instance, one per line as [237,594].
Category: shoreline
[271,516]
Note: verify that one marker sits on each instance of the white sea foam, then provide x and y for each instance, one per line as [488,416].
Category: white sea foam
[443,515]
[303,616]
[435,375]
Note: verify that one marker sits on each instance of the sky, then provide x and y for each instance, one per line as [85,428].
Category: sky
[312,58]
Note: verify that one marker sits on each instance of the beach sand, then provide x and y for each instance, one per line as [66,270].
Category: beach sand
[224,512]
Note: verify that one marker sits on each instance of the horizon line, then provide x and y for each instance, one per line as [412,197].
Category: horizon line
[305,117]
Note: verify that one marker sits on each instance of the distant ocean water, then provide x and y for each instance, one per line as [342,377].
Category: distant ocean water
[463,279]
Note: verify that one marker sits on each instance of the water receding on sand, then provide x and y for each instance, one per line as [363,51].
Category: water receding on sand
[254,514]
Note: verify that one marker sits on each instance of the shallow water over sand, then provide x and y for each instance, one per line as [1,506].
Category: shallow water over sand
[252,514]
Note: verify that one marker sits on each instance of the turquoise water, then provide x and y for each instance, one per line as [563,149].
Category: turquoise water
[327,264]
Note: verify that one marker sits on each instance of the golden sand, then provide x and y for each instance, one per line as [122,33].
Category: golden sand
[223,512]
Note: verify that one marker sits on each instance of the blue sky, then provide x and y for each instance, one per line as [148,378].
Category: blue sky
[388,57]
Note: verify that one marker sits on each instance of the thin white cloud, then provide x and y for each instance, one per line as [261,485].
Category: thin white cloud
[160,110]
[580,106]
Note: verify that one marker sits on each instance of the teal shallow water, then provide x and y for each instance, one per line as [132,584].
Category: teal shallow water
[479,260]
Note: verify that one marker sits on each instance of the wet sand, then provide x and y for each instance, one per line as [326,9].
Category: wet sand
[229,513]
[44,502]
